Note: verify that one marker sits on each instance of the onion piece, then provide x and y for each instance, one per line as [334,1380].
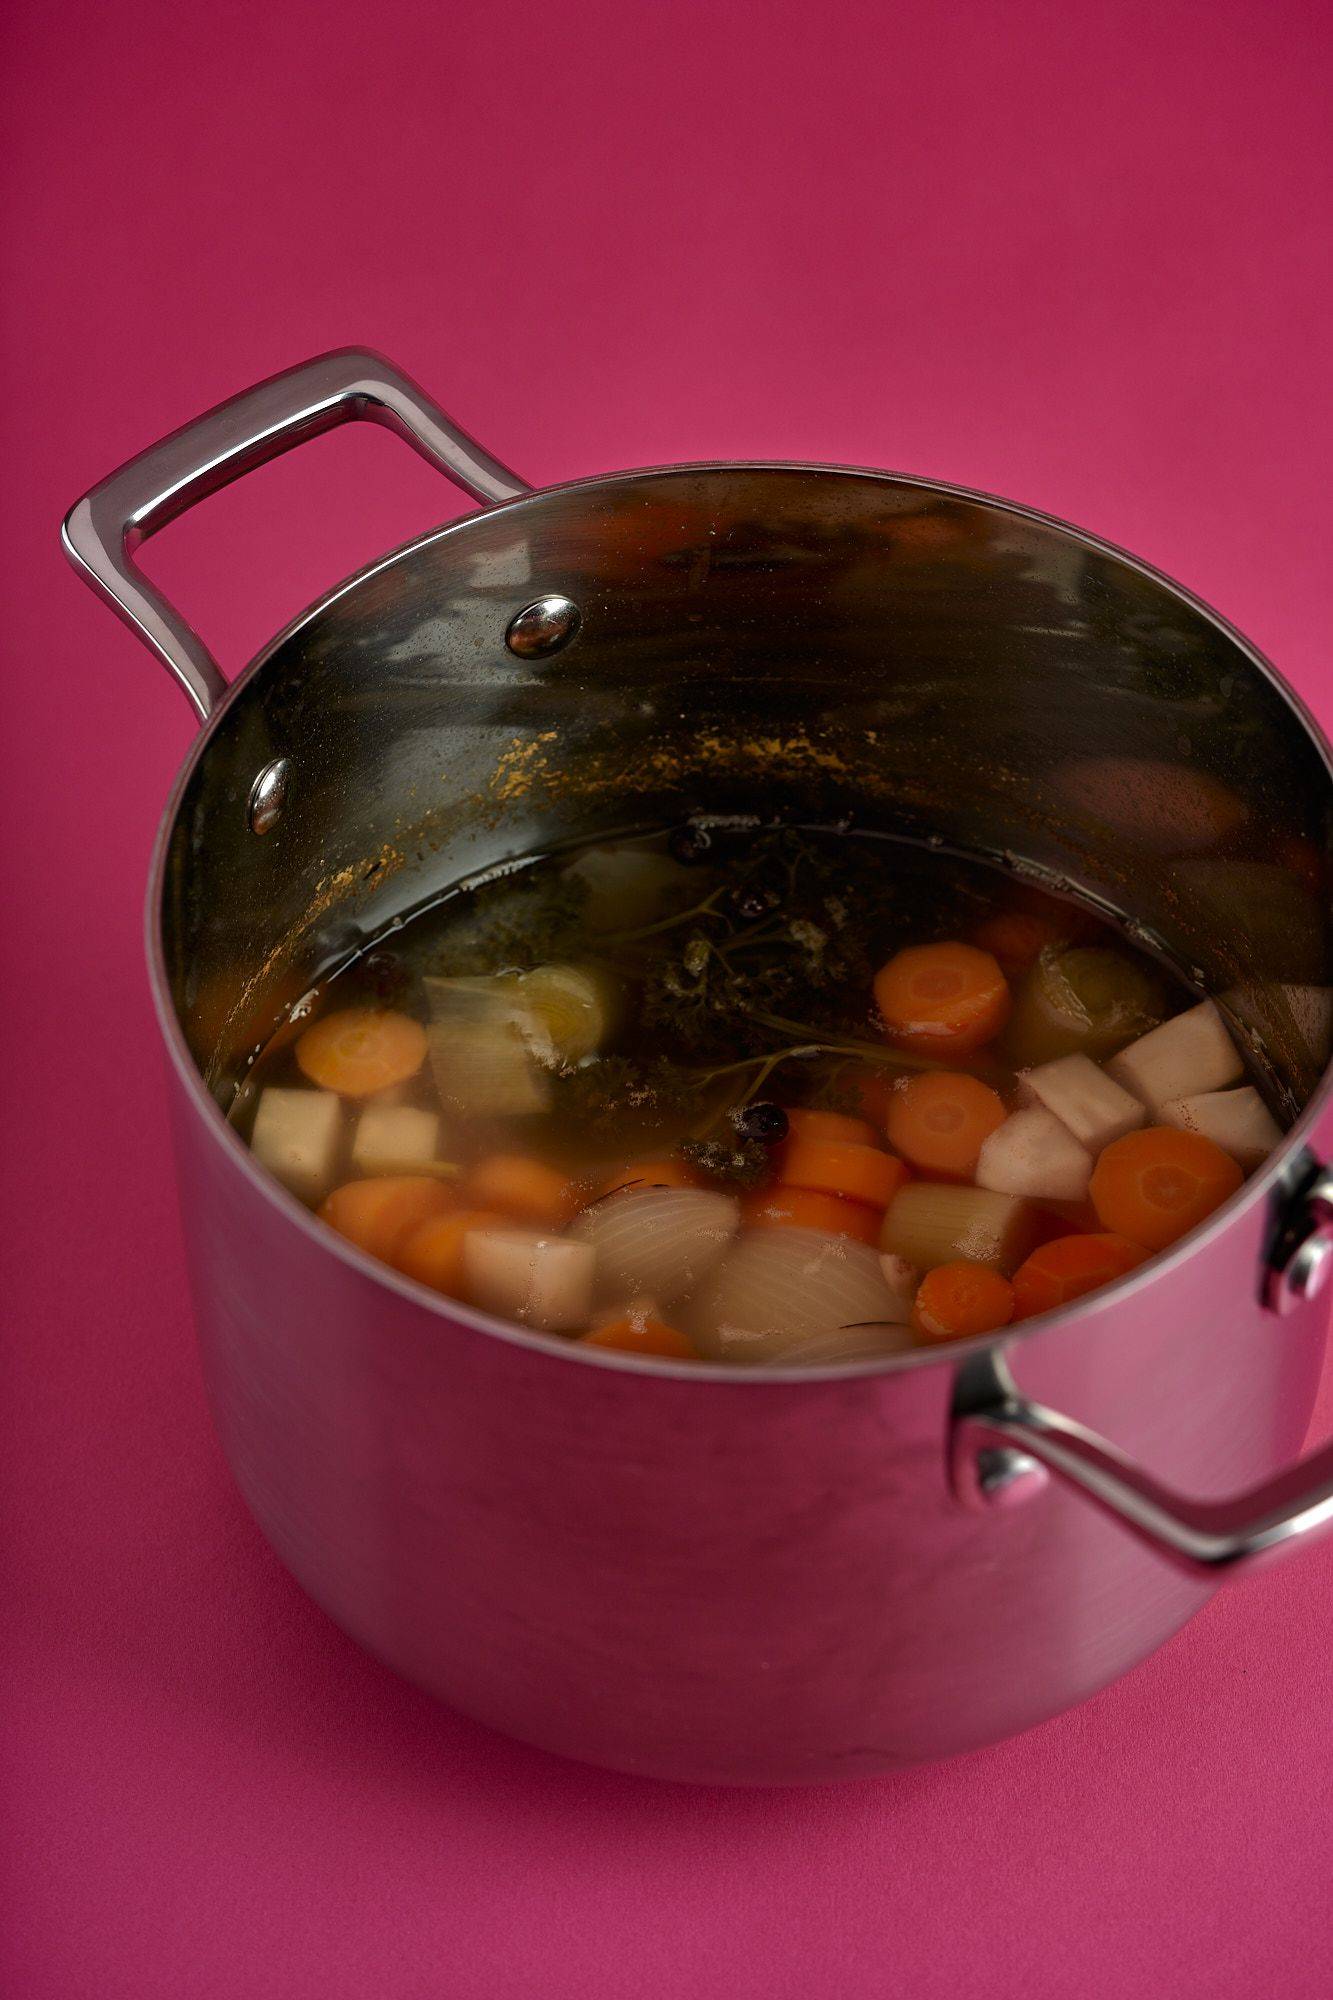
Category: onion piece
[780,1288]
[629,885]
[659,1241]
[566,1013]
[849,1343]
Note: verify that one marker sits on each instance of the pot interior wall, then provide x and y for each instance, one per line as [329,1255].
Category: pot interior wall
[757,640]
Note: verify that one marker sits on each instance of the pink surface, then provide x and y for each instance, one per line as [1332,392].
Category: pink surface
[1075,255]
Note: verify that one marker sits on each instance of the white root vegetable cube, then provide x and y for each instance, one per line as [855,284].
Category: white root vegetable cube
[1191,1053]
[543,1281]
[1236,1120]
[296,1135]
[1092,1104]
[395,1139]
[1035,1156]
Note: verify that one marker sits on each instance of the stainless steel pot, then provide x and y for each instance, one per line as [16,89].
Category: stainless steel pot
[726,1575]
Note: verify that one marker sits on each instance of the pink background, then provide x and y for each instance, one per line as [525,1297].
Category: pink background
[1074,254]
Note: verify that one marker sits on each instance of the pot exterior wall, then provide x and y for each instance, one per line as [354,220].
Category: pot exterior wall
[703,1579]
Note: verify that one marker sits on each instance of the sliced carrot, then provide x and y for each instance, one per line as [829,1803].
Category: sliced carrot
[946,999]
[940,1121]
[641,1333]
[664,1173]
[515,1184]
[1016,939]
[807,1208]
[1156,1184]
[1070,1266]
[377,1215]
[432,1253]
[803,1124]
[856,1172]
[956,1300]
[359,1050]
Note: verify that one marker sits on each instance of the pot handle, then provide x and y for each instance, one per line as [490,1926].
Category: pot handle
[1000,1438]
[103,529]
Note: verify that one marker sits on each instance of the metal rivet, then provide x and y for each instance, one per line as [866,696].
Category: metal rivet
[543,627]
[1005,1476]
[1301,1259]
[268,796]
[1303,1276]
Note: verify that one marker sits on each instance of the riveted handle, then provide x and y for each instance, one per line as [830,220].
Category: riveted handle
[102,531]
[1206,1538]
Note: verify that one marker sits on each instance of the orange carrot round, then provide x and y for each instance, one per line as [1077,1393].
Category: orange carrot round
[1154,1185]
[826,1125]
[956,1300]
[664,1173]
[642,1333]
[940,1121]
[359,1050]
[377,1215]
[945,999]
[516,1185]
[856,1172]
[1015,939]
[807,1208]
[432,1253]
[1066,1268]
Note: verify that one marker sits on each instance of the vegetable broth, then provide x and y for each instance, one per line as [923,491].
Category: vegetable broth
[753,1095]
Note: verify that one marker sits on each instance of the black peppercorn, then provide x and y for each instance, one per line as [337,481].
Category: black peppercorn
[689,844]
[752,902]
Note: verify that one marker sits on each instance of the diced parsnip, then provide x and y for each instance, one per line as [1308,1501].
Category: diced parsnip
[296,1135]
[567,1012]
[779,1287]
[1081,999]
[930,1223]
[478,1055]
[662,1241]
[1092,1104]
[1236,1120]
[1191,1053]
[628,886]
[395,1139]
[542,1281]
[1034,1155]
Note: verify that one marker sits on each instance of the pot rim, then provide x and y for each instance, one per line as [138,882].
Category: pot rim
[1254,1190]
